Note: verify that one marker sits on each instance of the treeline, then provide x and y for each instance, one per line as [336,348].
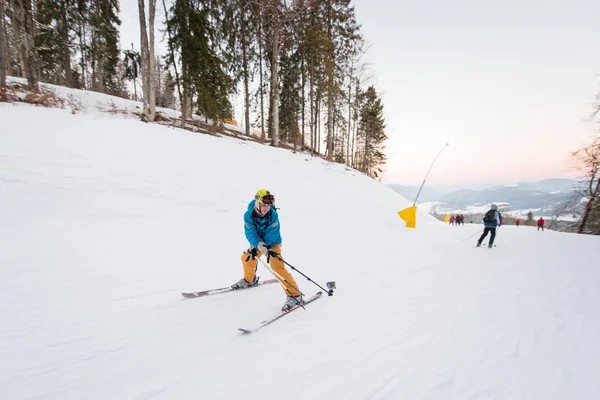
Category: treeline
[296,63]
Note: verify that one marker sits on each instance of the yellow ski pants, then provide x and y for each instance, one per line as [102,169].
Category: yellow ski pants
[276,264]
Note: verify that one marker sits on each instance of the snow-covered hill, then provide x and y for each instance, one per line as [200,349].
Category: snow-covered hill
[105,220]
[546,198]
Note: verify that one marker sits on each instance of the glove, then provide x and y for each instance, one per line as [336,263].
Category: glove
[262,247]
[252,252]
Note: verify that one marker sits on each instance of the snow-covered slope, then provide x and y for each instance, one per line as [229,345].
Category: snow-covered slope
[105,220]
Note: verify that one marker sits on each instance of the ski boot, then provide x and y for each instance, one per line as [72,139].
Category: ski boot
[291,302]
[243,283]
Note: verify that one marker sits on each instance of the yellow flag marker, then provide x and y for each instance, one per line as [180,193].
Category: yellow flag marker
[410,216]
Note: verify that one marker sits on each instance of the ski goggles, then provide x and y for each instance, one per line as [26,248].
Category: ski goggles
[266,199]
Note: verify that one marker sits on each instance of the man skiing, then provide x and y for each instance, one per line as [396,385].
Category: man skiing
[491,220]
[261,226]
[540,224]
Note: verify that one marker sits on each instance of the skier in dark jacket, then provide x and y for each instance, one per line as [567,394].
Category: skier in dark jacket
[491,221]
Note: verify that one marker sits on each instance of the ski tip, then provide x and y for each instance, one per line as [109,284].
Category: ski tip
[244,330]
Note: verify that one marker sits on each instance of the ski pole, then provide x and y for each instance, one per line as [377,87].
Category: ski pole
[479,231]
[330,285]
[281,278]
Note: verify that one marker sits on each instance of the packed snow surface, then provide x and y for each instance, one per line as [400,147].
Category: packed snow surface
[105,220]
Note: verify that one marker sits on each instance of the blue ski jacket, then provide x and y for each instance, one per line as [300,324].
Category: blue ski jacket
[262,229]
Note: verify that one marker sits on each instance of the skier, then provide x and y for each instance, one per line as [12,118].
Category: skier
[261,226]
[540,224]
[491,221]
[518,222]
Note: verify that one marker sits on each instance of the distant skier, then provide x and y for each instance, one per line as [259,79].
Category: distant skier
[518,222]
[452,218]
[491,220]
[540,224]
[261,226]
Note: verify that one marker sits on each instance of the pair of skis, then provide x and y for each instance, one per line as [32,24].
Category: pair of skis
[193,295]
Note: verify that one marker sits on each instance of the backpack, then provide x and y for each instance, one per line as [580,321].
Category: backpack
[490,216]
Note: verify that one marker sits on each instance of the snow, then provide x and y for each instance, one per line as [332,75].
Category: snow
[105,220]
[89,101]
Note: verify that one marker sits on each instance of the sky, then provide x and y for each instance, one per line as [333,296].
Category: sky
[509,85]
[106,220]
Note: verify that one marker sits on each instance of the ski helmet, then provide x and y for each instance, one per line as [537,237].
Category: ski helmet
[263,196]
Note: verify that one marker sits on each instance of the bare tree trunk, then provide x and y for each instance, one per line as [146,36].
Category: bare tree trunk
[82,46]
[147,60]
[158,82]
[274,76]
[152,64]
[354,122]
[349,117]
[144,61]
[593,195]
[31,63]
[18,37]
[329,69]
[311,99]
[260,74]
[2,48]
[97,52]
[184,99]
[588,159]
[585,216]
[303,85]
[64,35]
[263,134]
[244,41]
[318,122]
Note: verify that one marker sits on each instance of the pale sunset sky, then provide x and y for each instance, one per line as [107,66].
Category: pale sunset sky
[510,85]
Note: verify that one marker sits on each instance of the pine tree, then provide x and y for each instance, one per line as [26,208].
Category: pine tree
[81,28]
[131,59]
[372,133]
[203,75]
[247,22]
[315,50]
[53,41]
[104,22]
[290,74]
[166,97]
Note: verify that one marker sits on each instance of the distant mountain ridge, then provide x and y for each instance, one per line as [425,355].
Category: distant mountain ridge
[544,194]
